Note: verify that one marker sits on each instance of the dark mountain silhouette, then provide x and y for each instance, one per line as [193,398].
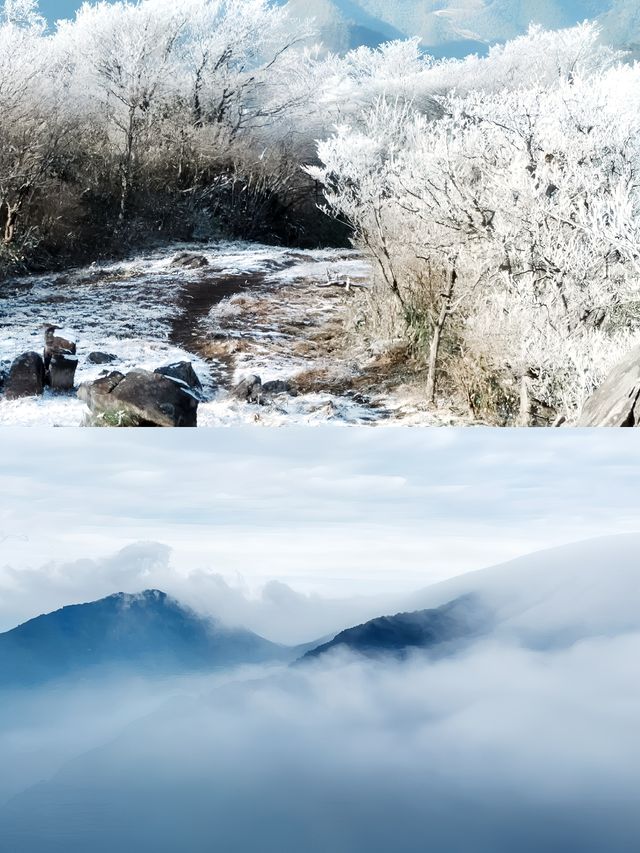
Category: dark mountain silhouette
[440,629]
[148,632]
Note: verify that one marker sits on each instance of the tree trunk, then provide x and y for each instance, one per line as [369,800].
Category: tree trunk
[524,416]
[198,119]
[434,347]
[10,222]
[126,168]
[13,211]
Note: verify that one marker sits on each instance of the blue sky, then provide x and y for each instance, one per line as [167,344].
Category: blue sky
[54,9]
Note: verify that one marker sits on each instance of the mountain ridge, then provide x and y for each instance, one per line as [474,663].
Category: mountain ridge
[455,28]
[442,629]
[551,598]
[447,28]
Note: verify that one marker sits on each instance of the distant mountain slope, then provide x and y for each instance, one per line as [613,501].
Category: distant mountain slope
[440,628]
[351,18]
[380,758]
[455,28]
[556,596]
[148,632]
[549,599]
[448,28]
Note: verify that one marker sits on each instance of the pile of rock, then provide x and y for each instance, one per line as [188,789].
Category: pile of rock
[166,397]
[60,359]
[30,372]
[253,390]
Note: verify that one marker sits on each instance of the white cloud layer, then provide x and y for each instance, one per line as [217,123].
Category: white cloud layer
[495,750]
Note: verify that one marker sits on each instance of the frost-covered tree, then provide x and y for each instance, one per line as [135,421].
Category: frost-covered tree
[180,86]
[24,14]
[229,53]
[122,58]
[565,299]
[30,129]
[529,196]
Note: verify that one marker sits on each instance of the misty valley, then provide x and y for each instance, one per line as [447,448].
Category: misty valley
[493,711]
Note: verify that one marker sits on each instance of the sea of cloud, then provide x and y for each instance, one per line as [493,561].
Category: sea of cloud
[497,749]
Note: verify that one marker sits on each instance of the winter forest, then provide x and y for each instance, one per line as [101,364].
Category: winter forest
[496,198]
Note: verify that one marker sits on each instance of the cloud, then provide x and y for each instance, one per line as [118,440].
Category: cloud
[524,740]
[26,592]
[327,511]
[498,749]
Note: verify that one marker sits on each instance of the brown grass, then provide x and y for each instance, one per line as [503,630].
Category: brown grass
[222,347]
[320,380]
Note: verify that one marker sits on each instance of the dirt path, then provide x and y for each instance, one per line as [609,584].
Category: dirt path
[248,309]
[195,302]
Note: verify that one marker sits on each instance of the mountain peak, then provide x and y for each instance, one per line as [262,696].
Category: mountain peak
[146,632]
[149,596]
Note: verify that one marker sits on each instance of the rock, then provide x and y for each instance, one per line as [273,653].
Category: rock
[101,357]
[60,360]
[182,371]
[140,398]
[25,377]
[249,389]
[4,372]
[190,261]
[277,386]
[252,390]
[56,343]
[62,370]
[616,403]
[92,392]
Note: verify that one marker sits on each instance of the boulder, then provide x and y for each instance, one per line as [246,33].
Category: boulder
[140,398]
[277,386]
[190,261]
[182,371]
[62,370]
[616,403]
[101,357]
[249,390]
[25,377]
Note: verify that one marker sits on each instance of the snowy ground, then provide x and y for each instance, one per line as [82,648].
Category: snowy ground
[252,310]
